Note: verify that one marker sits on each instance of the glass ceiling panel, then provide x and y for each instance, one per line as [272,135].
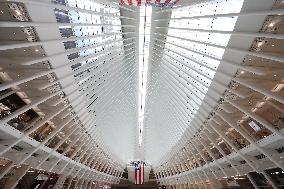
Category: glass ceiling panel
[95,35]
[192,52]
[213,38]
[204,66]
[190,59]
[209,8]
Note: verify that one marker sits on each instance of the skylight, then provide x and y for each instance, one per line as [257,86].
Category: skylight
[194,48]
[189,61]
[144,39]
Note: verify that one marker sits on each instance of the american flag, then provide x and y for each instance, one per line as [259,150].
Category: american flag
[153,2]
[139,173]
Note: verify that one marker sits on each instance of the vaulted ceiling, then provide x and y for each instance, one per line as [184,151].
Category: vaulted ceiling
[187,69]
[138,82]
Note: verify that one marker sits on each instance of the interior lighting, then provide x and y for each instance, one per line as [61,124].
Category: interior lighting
[271,24]
[18,12]
[259,44]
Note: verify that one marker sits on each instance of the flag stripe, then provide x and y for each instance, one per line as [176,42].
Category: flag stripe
[135,175]
[129,2]
[140,174]
[138,2]
[143,173]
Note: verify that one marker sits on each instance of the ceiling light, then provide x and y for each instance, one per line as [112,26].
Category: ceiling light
[259,44]
[271,24]
[242,72]
[36,50]
[18,12]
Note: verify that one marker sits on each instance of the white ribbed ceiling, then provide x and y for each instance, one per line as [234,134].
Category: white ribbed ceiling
[192,87]
[163,66]
[182,69]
